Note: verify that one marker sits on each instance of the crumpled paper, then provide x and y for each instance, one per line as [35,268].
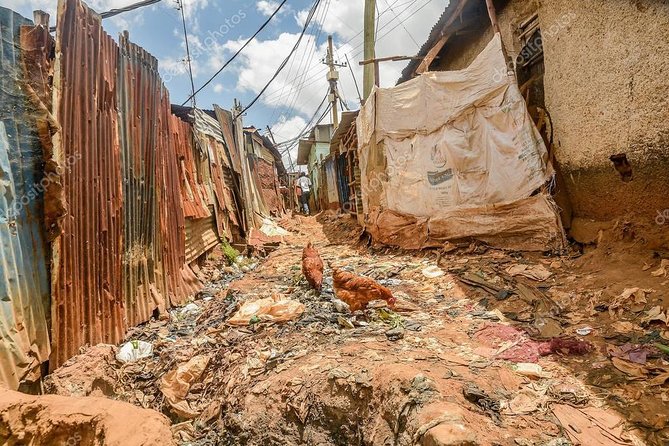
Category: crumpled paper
[271,309]
[176,384]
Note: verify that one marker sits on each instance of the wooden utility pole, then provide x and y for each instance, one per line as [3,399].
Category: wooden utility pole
[369,53]
[333,77]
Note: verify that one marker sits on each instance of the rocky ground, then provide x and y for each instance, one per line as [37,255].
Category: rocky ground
[484,348]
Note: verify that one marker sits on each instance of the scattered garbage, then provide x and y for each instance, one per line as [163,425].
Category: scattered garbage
[657,313]
[530,370]
[534,272]
[631,299]
[584,331]
[490,406]
[591,426]
[176,384]
[190,309]
[432,272]
[632,352]
[271,229]
[395,334]
[134,351]
[340,306]
[344,322]
[663,270]
[271,309]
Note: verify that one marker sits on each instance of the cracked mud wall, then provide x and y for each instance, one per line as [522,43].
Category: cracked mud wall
[606,88]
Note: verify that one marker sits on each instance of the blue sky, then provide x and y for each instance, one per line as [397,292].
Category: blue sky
[218,28]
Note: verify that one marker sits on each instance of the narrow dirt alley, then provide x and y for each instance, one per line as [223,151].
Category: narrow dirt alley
[483,348]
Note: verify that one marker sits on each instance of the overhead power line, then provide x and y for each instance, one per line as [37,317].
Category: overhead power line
[312,78]
[285,61]
[117,11]
[269,19]
[182,7]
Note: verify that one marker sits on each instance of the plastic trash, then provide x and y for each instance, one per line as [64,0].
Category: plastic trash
[191,308]
[271,309]
[176,384]
[271,229]
[432,272]
[134,351]
[584,331]
[530,370]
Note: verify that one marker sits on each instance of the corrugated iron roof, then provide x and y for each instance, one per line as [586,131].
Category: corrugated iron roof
[24,287]
[347,118]
[435,35]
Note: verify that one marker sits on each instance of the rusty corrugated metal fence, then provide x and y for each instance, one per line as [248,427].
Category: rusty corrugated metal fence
[24,288]
[133,194]
[87,297]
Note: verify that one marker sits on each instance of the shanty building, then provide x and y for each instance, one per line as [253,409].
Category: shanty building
[312,153]
[594,76]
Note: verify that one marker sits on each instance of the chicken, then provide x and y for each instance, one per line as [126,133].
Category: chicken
[312,267]
[358,291]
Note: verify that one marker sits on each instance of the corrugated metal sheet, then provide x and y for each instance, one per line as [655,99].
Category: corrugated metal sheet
[139,89]
[268,183]
[24,290]
[178,281]
[209,135]
[201,236]
[225,120]
[87,292]
[193,193]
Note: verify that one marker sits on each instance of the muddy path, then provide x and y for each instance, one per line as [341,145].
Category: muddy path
[477,351]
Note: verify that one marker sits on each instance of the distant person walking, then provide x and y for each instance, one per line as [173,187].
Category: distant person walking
[304,183]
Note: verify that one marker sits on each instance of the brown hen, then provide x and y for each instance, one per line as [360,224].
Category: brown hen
[312,267]
[358,291]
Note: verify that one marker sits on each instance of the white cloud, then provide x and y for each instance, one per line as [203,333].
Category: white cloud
[267,7]
[301,87]
[218,88]
[285,129]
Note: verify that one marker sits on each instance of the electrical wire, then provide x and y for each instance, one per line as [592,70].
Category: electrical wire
[405,28]
[310,80]
[269,19]
[316,24]
[117,11]
[359,33]
[312,50]
[182,7]
[285,61]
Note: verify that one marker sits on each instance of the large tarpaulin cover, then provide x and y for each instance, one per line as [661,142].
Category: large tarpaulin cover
[455,155]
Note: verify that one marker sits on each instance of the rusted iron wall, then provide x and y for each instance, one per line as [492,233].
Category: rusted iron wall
[24,288]
[87,292]
[193,193]
[178,282]
[139,101]
[268,183]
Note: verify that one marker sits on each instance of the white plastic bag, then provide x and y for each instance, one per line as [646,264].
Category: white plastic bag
[134,351]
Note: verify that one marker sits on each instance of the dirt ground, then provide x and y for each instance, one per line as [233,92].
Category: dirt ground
[484,348]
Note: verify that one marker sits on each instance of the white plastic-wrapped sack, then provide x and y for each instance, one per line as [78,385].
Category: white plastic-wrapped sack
[134,350]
